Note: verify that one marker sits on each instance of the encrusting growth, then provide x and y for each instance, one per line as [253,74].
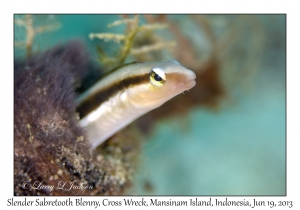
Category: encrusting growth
[49,146]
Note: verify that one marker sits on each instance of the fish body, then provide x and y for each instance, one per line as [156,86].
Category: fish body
[128,93]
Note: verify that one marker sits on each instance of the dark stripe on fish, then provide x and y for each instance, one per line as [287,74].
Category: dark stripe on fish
[93,102]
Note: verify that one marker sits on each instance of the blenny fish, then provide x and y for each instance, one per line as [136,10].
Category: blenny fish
[127,93]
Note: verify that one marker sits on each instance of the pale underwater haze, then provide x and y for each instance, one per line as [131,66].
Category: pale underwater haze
[236,148]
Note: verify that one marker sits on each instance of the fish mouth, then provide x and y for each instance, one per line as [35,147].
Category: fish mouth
[188,84]
[190,81]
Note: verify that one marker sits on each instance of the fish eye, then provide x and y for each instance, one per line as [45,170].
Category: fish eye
[157,77]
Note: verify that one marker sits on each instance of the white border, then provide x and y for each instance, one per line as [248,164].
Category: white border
[8,8]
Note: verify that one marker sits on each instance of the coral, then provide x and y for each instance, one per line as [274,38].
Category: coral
[49,146]
[128,41]
[32,32]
